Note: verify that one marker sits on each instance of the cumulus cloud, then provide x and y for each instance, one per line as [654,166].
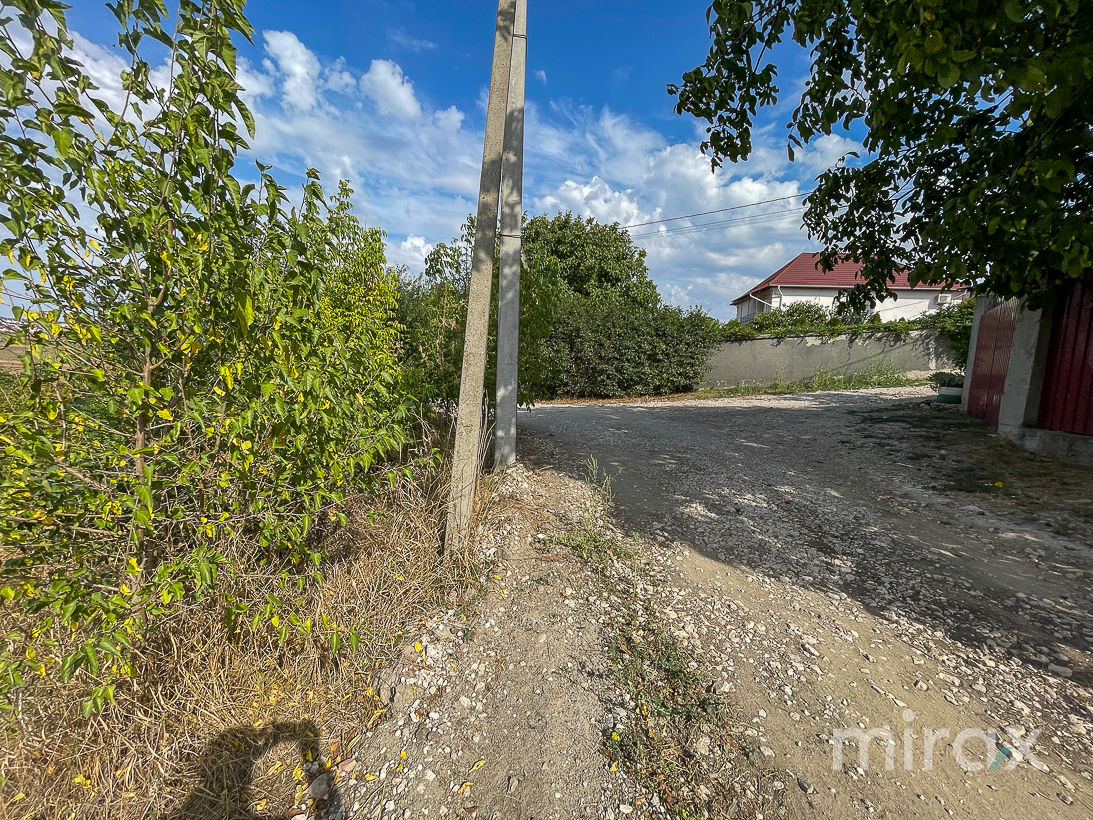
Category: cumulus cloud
[622,171]
[337,77]
[103,66]
[297,67]
[415,167]
[412,252]
[390,90]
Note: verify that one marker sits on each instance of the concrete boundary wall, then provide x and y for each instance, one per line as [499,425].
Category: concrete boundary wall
[767,360]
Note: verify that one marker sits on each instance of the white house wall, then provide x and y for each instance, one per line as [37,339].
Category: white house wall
[907,305]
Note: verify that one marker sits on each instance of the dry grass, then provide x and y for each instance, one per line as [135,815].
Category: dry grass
[215,728]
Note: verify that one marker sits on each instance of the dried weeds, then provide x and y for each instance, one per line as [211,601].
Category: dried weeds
[216,727]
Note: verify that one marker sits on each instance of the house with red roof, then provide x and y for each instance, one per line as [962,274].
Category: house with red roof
[803,280]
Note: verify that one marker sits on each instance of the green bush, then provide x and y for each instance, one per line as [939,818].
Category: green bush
[954,322]
[609,347]
[591,320]
[795,317]
[736,331]
[207,373]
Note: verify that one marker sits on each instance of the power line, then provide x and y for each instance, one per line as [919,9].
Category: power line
[717,211]
[752,219]
[704,226]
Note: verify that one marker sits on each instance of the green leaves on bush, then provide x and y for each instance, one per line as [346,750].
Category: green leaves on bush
[591,320]
[610,347]
[952,322]
[207,372]
[793,317]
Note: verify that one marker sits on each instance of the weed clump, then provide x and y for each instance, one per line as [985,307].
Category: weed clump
[680,738]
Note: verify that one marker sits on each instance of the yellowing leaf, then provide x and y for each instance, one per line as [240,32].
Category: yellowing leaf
[477,766]
[466,785]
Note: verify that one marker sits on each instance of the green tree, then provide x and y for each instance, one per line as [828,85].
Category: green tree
[433,307]
[192,399]
[591,320]
[587,255]
[976,118]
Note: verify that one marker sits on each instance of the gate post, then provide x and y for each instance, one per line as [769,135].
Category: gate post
[1020,406]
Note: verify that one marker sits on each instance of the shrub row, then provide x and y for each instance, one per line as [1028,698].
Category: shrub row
[953,322]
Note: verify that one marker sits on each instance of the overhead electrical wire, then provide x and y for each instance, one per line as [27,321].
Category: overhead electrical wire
[716,211]
[703,227]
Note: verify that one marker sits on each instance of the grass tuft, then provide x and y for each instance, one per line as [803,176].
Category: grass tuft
[680,738]
[877,375]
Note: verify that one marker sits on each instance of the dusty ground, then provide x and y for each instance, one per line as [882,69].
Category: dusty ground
[860,560]
[496,709]
[833,562]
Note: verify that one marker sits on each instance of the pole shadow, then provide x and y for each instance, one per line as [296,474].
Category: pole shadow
[226,772]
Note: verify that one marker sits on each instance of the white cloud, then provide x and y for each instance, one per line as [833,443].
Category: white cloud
[624,172]
[540,75]
[337,78]
[416,168]
[388,88]
[297,66]
[412,252]
[400,39]
[103,66]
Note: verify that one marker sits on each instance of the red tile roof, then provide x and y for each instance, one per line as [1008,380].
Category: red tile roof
[803,272]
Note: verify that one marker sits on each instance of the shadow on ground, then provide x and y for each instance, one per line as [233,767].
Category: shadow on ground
[903,507]
[225,772]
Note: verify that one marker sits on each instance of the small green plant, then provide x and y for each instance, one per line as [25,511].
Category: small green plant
[943,378]
[680,738]
[954,322]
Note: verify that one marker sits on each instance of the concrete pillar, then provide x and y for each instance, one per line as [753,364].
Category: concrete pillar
[468,424]
[1020,406]
[512,219]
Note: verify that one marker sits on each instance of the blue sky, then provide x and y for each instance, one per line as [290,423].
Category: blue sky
[391,95]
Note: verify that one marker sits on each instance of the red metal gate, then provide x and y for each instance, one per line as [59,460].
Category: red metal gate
[1067,401]
[992,360]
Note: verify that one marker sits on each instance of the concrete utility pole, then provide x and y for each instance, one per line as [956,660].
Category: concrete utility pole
[468,425]
[512,219]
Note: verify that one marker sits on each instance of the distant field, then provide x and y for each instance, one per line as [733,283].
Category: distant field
[9,358]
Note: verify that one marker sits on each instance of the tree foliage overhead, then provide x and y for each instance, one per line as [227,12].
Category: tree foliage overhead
[977,119]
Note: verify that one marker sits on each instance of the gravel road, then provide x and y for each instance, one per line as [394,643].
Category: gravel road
[866,566]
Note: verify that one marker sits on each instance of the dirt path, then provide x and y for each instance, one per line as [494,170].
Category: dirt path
[854,563]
